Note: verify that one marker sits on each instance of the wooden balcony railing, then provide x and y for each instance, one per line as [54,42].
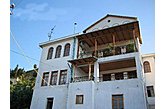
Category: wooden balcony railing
[109,51]
[82,78]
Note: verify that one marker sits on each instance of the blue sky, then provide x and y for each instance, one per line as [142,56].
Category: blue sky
[33,19]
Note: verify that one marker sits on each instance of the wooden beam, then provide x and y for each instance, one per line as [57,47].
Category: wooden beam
[95,47]
[134,40]
[89,71]
[113,36]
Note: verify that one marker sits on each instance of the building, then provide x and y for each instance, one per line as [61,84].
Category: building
[149,71]
[101,68]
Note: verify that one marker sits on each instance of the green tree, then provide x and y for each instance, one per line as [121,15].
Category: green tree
[21,92]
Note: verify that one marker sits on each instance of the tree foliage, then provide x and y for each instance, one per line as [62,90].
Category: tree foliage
[21,91]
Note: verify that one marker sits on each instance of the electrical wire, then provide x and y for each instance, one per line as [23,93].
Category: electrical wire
[28,61]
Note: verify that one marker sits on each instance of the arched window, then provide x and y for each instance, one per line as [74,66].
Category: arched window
[58,51]
[66,49]
[147,67]
[50,52]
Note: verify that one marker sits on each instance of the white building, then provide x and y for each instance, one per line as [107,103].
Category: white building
[102,68]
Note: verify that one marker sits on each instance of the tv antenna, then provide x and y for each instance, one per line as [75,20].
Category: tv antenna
[50,34]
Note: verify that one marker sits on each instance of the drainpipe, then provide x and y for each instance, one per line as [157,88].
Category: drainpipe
[71,70]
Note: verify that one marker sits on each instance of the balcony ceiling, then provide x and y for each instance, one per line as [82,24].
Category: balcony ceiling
[83,61]
[117,65]
[104,36]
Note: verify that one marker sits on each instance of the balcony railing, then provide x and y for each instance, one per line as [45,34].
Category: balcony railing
[118,76]
[110,51]
[82,78]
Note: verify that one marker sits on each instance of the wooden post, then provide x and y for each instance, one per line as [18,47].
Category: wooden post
[113,43]
[134,40]
[95,47]
[89,71]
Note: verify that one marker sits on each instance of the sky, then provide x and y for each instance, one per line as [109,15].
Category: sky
[32,20]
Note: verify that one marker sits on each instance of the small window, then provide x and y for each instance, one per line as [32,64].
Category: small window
[132,74]
[79,99]
[63,77]
[49,103]
[54,78]
[117,102]
[58,51]
[150,91]
[147,68]
[45,79]
[66,49]
[50,53]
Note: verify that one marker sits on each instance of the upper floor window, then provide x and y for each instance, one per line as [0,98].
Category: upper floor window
[54,78]
[63,77]
[66,49]
[45,79]
[50,52]
[147,67]
[58,51]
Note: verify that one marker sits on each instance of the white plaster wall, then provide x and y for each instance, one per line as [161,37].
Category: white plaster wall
[59,93]
[132,91]
[85,88]
[41,93]
[150,77]
[113,20]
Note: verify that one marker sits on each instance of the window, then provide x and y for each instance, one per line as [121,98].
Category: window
[147,67]
[79,99]
[117,102]
[58,51]
[63,77]
[45,79]
[119,76]
[132,74]
[50,52]
[150,91]
[54,78]
[66,49]
[106,77]
[49,103]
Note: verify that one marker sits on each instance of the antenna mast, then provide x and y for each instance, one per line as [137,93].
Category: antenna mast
[50,34]
[74,27]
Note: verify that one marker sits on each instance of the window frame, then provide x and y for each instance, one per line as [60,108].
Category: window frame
[67,50]
[151,89]
[49,99]
[55,75]
[58,51]
[147,67]
[44,82]
[78,101]
[50,53]
[61,77]
[114,98]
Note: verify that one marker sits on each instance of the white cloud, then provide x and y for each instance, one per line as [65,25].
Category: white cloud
[34,12]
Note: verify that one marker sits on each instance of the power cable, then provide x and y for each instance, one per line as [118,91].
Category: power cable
[26,57]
